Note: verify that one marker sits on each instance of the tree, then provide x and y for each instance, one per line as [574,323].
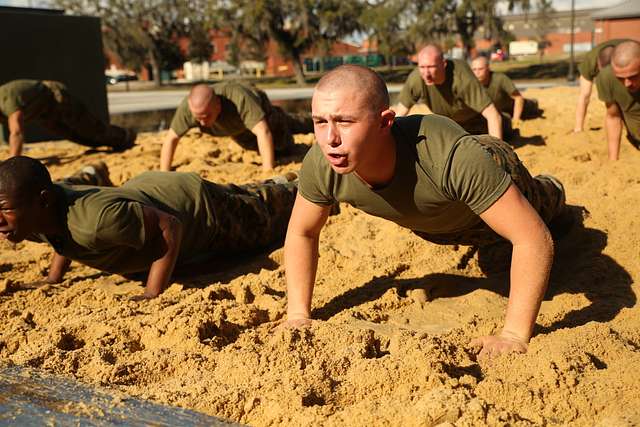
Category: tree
[384,22]
[294,25]
[544,24]
[143,32]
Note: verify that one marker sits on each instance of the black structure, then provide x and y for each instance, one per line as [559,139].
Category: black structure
[45,44]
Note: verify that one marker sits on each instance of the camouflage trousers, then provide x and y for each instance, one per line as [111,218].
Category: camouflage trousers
[544,192]
[282,125]
[69,118]
[252,216]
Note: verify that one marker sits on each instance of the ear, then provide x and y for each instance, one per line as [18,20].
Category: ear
[386,118]
[46,198]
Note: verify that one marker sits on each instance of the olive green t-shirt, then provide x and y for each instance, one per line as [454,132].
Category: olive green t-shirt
[29,96]
[610,90]
[460,97]
[105,225]
[588,68]
[443,178]
[241,109]
[500,90]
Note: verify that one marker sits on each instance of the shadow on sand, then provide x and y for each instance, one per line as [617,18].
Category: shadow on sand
[579,268]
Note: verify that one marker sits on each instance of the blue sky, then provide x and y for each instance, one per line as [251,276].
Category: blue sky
[557,4]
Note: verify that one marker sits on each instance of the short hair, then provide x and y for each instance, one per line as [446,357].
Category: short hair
[23,176]
[357,77]
[200,95]
[482,58]
[432,47]
[604,56]
[625,53]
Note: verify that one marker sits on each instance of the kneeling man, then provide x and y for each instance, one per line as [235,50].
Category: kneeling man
[425,173]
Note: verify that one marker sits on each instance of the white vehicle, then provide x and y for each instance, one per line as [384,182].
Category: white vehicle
[523,48]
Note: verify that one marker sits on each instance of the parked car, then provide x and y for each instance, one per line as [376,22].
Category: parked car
[120,78]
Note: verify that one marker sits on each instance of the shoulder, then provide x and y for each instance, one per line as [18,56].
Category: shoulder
[434,136]
[414,79]
[606,82]
[317,179]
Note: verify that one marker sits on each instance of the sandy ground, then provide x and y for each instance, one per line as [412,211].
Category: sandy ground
[395,313]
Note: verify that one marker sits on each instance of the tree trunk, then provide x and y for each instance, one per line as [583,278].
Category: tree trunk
[298,70]
[155,69]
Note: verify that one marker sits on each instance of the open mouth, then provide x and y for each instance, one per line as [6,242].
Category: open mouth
[338,160]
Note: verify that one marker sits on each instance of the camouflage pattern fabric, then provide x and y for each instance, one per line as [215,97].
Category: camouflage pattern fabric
[545,193]
[282,125]
[69,118]
[253,216]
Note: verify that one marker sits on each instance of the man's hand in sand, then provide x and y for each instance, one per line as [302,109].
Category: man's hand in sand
[295,323]
[495,345]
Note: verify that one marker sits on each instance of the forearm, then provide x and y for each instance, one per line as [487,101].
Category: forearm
[581,112]
[518,106]
[613,124]
[530,267]
[58,268]
[494,124]
[166,154]
[16,141]
[301,263]
[266,148]
[162,268]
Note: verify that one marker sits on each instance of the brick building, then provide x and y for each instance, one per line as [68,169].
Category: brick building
[621,21]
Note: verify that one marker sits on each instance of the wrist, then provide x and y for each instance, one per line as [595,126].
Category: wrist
[298,315]
[514,336]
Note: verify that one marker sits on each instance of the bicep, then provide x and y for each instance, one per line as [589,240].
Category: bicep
[585,87]
[513,217]
[261,128]
[307,218]
[613,110]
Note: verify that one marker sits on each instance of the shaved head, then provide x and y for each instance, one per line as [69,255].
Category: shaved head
[360,79]
[200,97]
[431,50]
[625,54]
[480,67]
[23,176]
[480,61]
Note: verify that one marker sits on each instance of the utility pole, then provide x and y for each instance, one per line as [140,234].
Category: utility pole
[571,77]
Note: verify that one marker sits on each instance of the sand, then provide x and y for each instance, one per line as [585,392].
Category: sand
[395,313]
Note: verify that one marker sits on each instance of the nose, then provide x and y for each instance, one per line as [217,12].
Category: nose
[628,83]
[333,138]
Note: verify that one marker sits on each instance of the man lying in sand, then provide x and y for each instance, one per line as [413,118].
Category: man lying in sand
[152,223]
[52,105]
[619,88]
[240,111]
[425,173]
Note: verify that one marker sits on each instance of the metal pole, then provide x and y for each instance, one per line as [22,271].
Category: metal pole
[571,77]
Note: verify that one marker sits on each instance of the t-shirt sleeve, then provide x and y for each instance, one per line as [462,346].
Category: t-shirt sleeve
[603,84]
[182,119]
[473,177]
[584,69]
[121,224]
[248,106]
[508,86]
[311,185]
[410,92]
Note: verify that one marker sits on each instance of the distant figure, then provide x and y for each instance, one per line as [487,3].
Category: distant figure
[240,111]
[50,104]
[594,61]
[619,88]
[504,94]
[427,174]
[152,223]
[449,88]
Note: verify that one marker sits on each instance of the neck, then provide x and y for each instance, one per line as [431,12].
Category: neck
[53,222]
[380,169]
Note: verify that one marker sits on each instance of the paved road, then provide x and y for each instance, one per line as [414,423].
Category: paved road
[128,102]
